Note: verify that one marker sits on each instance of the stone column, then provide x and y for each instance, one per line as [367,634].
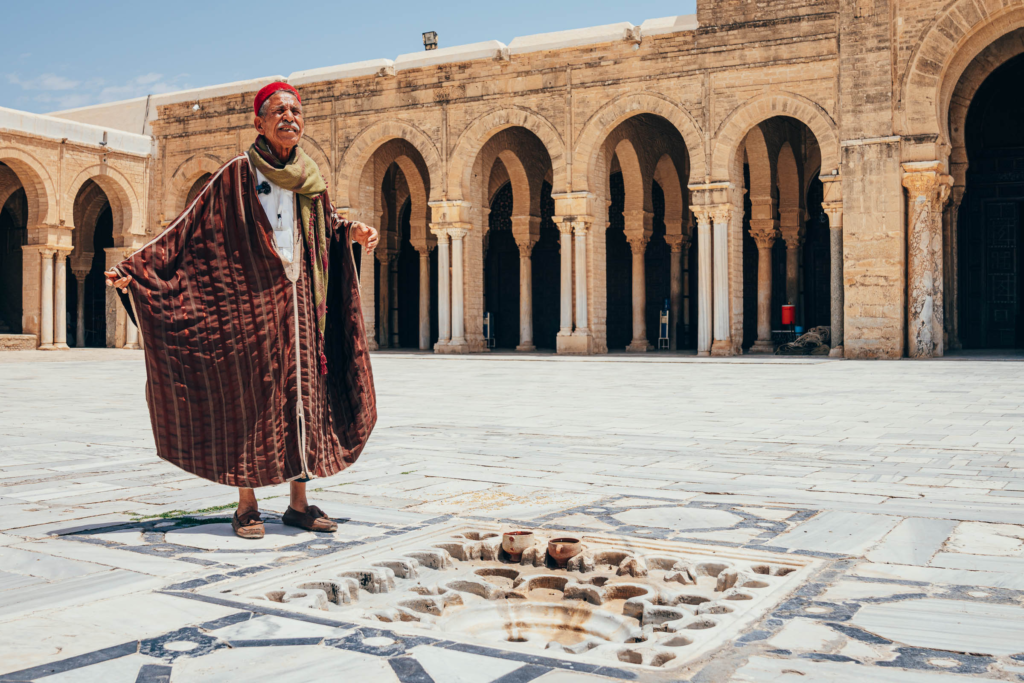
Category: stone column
[638,245]
[928,188]
[764,233]
[46,300]
[792,232]
[677,250]
[131,335]
[384,298]
[582,326]
[565,303]
[794,242]
[60,301]
[368,296]
[705,284]
[722,345]
[444,297]
[832,205]
[525,245]
[951,283]
[458,292]
[80,276]
[424,253]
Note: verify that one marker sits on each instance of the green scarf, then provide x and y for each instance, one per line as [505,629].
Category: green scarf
[301,176]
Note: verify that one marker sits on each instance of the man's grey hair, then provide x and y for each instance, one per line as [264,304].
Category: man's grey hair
[266,102]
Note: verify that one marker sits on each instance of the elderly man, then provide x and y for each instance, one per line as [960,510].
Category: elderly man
[248,306]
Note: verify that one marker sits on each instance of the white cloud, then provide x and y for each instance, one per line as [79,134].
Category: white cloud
[50,92]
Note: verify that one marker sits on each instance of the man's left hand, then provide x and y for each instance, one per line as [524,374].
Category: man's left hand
[365,235]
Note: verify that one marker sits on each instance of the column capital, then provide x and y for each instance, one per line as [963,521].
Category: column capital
[525,247]
[676,243]
[927,181]
[457,233]
[47,252]
[764,232]
[424,249]
[713,213]
[638,242]
[440,232]
[794,239]
[834,211]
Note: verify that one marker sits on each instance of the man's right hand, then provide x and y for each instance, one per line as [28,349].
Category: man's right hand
[114,279]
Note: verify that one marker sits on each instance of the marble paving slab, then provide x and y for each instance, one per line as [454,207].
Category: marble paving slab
[936,575]
[765,670]
[222,537]
[283,664]
[678,518]
[846,533]
[989,563]
[954,625]
[110,557]
[120,670]
[914,541]
[275,628]
[20,561]
[451,666]
[981,538]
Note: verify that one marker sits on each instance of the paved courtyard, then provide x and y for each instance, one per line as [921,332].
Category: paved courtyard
[900,484]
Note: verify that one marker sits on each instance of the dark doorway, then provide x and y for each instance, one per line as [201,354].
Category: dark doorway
[989,231]
[197,187]
[13,236]
[95,286]
[817,262]
[619,270]
[656,268]
[501,266]
[547,266]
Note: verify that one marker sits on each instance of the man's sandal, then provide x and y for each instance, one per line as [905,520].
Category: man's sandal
[249,525]
[313,519]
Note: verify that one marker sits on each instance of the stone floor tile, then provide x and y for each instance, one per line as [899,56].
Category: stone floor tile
[452,666]
[847,533]
[936,575]
[953,625]
[222,537]
[914,541]
[765,670]
[108,557]
[980,538]
[120,670]
[282,664]
[276,628]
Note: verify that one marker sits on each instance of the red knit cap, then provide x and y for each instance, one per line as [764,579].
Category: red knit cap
[268,90]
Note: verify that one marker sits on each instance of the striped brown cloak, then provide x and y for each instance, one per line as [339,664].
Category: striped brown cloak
[232,361]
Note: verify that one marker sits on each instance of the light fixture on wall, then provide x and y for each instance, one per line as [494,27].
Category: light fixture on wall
[430,40]
[195,107]
[103,142]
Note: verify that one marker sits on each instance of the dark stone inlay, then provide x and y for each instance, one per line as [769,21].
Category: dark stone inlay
[409,670]
[71,663]
[917,658]
[229,620]
[275,642]
[154,673]
[523,674]
[204,644]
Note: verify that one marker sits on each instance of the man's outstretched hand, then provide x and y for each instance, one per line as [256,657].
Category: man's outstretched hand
[115,280]
[365,235]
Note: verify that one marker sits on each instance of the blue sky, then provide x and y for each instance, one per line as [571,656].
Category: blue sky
[63,54]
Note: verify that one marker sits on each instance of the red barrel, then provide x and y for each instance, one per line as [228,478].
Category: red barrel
[789,315]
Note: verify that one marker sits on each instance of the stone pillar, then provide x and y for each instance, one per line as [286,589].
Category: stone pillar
[793,245]
[131,336]
[792,232]
[525,294]
[444,297]
[458,292]
[722,345]
[46,299]
[60,301]
[424,320]
[565,303]
[639,226]
[764,233]
[582,331]
[928,188]
[833,207]
[638,245]
[678,249]
[951,283]
[368,296]
[80,276]
[384,298]
[705,284]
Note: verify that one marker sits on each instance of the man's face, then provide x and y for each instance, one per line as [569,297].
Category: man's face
[282,124]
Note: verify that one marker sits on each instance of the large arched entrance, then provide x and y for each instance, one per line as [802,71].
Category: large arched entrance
[647,240]
[13,235]
[519,242]
[991,214]
[89,320]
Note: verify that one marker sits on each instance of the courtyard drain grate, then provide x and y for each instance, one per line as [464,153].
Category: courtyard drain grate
[646,603]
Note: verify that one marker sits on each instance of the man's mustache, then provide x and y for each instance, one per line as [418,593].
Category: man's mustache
[288,126]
